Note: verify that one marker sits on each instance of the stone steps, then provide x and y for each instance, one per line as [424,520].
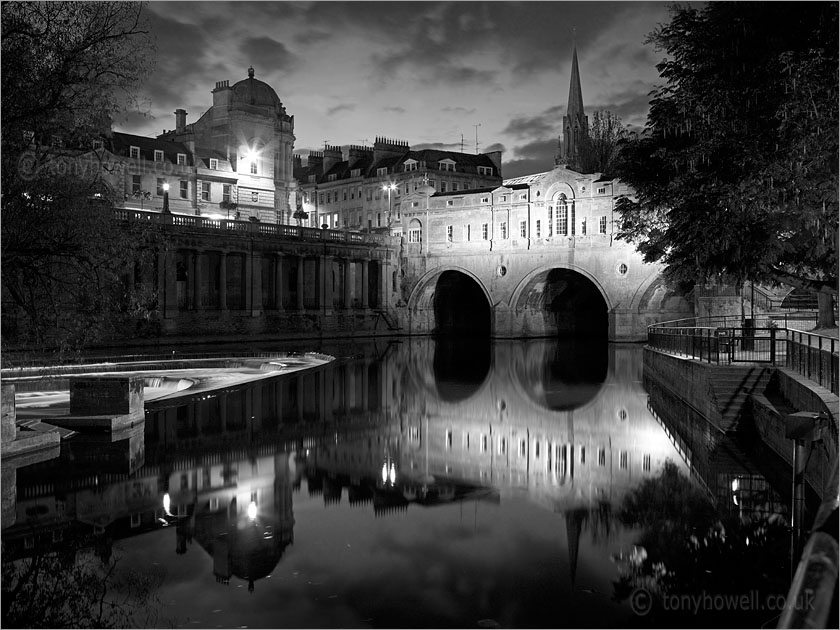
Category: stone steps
[732,387]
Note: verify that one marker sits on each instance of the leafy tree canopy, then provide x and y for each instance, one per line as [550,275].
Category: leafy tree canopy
[67,69]
[599,147]
[736,171]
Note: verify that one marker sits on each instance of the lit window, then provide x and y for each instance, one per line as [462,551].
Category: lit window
[158,156]
[449,233]
[214,163]
[160,182]
[415,235]
[182,159]
[134,152]
[253,167]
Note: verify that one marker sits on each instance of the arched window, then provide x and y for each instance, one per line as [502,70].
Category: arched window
[561,216]
[415,231]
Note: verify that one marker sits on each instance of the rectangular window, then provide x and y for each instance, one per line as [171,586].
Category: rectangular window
[454,186]
[484,234]
[602,225]
[622,460]
[582,454]
[321,198]
[503,230]
[449,233]
[646,463]
[485,200]
[602,191]
[537,228]
[134,152]
[449,439]
[443,186]
[205,191]
[182,159]
[345,194]
[160,182]
[602,457]
[483,443]
[523,229]
[414,236]
[583,225]
[97,144]
[226,193]
[467,233]
[562,220]
[466,441]
[158,156]
[253,167]
[523,448]
[214,164]
[485,170]
[381,172]
[450,202]
[184,188]
[502,446]
[523,197]
[135,184]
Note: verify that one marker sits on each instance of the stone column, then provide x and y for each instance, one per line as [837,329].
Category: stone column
[325,294]
[278,282]
[300,274]
[348,284]
[223,281]
[365,263]
[198,270]
[384,283]
[167,290]
[253,279]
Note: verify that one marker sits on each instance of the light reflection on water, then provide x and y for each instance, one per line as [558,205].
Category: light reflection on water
[410,483]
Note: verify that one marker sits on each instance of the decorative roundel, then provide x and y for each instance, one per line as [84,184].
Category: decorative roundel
[621,269]
[502,270]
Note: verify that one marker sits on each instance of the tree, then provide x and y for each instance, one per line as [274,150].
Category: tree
[598,149]
[736,171]
[67,69]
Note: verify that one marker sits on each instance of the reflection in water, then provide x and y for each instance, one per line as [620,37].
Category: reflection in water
[420,482]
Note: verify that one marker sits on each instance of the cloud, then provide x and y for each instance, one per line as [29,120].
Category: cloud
[395,109]
[344,107]
[268,52]
[541,125]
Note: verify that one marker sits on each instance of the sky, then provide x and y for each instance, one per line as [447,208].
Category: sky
[455,76]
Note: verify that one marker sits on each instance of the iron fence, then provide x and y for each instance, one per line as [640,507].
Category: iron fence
[811,355]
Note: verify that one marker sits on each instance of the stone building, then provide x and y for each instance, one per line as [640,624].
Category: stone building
[247,130]
[365,190]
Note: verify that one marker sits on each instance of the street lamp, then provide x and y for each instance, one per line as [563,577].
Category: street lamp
[166,198]
[389,188]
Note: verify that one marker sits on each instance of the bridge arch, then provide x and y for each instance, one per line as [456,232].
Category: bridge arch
[562,299]
[451,299]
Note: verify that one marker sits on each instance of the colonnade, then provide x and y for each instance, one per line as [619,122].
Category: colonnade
[253,282]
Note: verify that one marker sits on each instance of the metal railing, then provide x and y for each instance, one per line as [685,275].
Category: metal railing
[721,341]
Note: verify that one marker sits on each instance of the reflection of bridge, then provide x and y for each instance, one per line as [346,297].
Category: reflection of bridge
[534,257]
[572,433]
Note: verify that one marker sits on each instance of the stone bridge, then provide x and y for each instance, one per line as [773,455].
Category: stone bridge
[535,257]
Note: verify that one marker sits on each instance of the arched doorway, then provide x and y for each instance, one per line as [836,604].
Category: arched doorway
[460,306]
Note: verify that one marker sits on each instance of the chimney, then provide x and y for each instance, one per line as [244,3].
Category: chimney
[332,156]
[180,120]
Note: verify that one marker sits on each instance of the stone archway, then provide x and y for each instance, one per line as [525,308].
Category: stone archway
[451,301]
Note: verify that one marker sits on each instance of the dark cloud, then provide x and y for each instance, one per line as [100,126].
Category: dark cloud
[459,111]
[268,52]
[344,107]
[533,157]
[395,109]
[438,146]
[539,126]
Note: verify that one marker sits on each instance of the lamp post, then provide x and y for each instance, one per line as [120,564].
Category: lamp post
[389,188]
[166,198]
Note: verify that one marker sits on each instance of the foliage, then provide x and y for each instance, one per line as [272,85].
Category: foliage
[736,172]
[60,591]
[67,69]
[686,549]
[599,147]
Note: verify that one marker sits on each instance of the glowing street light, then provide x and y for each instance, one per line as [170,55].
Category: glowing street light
[166,198]
[252,510]
[389,188]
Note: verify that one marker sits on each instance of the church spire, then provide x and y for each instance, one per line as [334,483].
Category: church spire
[575,122]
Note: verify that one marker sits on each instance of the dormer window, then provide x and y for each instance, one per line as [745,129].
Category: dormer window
[410,165]
[381,172]
[214,164]
[485,200]
[182,159]
[134,152]
[331,177]
[97,144]
[446,165]
[311,179]
[485,170]
[356,172]
[158,156]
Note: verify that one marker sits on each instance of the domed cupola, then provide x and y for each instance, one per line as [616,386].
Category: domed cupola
[251,92]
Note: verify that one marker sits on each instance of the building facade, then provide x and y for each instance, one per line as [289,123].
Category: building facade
[365,190]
